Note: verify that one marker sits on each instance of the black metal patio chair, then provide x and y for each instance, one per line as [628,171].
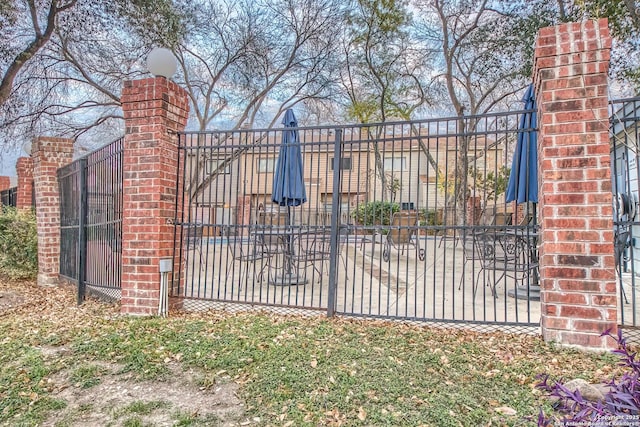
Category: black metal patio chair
[248,250]
[313,248]
[503,254]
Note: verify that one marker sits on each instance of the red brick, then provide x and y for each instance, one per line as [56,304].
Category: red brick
[564,199]
[549,309]
[579,285]
[586,340]
[573,186]
[578,260]
[580,312]
[566,272]
[557,323]
[602,273]
[597,327]
[566,223]
[604,300]
[565,298]
[575,235]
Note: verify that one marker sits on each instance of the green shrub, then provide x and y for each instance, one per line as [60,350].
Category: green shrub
[18,244]
[430,217]
[375,213]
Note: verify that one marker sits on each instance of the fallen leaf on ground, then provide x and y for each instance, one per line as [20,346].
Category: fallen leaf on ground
[505,410]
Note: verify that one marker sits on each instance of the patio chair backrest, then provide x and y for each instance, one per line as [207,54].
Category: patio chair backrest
[272,218]
[312,246]
[501,251]
[277,222]
[246,248]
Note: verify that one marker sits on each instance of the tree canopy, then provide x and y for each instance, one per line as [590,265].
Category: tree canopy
[63,62]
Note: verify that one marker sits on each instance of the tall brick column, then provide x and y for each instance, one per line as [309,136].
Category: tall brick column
[153,109]
[48,155]
[24,194]
[576,253]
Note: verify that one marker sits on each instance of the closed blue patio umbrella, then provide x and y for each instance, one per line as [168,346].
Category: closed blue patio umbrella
[288,182]
[523,179]
[523,183]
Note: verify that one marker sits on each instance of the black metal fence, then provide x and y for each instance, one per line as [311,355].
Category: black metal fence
[625,132]
[401,220]
[91,221]
[9,196]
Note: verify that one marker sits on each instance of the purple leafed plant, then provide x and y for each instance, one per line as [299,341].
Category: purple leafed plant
[621,402]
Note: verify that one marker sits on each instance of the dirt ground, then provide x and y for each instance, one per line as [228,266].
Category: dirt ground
[117,399]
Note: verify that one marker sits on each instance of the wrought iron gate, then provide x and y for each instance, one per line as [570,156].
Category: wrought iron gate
[91,221]
[403,220]
[9,196]
[625,175]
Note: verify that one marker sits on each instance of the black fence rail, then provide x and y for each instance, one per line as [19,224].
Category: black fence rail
[9,197]
[402,220]
[625,154]
[91,221]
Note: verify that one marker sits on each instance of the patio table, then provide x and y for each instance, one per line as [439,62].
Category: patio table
[277,240]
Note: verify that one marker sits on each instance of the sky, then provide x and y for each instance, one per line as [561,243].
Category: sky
[8,161]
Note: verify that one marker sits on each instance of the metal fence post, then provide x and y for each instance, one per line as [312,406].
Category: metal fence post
[335,227]
[82,230]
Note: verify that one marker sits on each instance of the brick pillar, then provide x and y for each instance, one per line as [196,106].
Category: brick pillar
[48,155]
[474,210]
[578,299]
[24,196]
[153,109]
[5,183]
[243,214]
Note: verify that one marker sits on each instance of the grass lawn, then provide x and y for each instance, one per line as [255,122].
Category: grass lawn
[282,370]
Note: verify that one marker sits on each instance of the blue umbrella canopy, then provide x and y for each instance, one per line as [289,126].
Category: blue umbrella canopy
[523,179]
[288,181]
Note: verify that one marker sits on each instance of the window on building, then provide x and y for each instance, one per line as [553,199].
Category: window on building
[395,163]
[266,165]
[327,202]
[345,163]
[211,166]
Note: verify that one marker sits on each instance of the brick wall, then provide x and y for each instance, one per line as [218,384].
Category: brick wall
[5,183]
[578,299]
[24,195]
[153,108]
[48,155]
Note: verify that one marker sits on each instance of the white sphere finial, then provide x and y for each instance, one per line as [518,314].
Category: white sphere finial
[161,62]
[26,147]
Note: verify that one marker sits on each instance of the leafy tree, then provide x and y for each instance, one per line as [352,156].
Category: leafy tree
[25,28]
[484,57]
[236,60]
[383,73]
[624,22]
